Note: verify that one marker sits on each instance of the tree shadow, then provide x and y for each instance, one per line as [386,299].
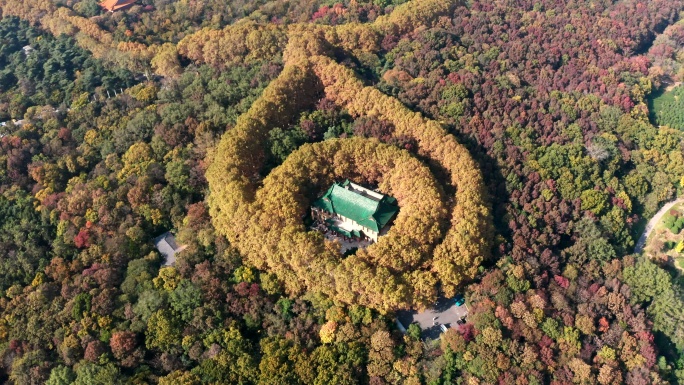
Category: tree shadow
[443,304]
[497,194]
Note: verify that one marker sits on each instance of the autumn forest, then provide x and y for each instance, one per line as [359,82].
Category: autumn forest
[527,143]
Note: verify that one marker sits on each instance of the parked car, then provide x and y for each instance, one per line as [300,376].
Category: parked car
[459,300]
[444,328]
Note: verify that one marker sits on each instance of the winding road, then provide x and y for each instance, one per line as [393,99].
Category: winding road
[651,224]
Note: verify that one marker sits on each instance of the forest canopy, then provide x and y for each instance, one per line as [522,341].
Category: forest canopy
[522,139]
[234,199]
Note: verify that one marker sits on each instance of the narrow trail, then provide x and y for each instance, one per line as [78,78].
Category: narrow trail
[651,224]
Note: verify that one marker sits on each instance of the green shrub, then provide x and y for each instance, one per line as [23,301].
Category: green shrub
[668,220]
[678,225]
[414,331]
[673,223]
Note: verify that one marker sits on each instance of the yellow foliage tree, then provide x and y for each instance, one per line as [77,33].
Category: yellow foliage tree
[429,244]
[467,241]
[238,43]
[165,61]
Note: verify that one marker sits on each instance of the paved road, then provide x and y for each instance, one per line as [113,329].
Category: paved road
[652,223]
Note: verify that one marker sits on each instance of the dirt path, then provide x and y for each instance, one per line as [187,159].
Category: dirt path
[672,86]
[652,223]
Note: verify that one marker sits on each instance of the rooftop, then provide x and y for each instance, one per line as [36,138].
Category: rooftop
[366,207]
[115,5]
[167,246]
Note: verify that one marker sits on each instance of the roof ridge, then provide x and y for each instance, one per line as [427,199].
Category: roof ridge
[352,203]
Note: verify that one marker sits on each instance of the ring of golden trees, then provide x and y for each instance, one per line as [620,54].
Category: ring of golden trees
[435,242]
[396,267]
[240,42]
[401,271]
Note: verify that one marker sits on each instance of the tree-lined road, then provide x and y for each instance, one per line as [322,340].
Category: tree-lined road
[653,222]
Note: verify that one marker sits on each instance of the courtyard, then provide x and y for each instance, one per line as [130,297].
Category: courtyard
[444,312]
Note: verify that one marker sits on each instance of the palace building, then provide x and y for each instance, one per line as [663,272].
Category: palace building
[355,211]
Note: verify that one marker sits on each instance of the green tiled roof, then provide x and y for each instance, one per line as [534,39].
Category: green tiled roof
[341,231]
[365,211]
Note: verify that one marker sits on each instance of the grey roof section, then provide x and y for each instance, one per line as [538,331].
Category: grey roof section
[167,246]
